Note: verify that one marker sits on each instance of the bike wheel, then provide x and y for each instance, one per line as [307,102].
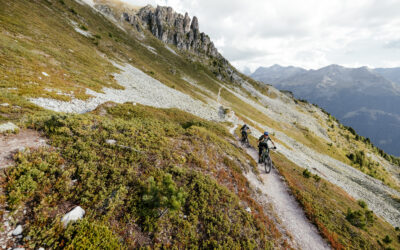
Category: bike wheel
[247,143]
[267,164]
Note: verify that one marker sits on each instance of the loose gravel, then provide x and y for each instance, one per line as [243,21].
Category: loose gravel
[139,88]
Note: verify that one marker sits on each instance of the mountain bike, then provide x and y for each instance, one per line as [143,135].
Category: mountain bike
[266,160]
[245,140]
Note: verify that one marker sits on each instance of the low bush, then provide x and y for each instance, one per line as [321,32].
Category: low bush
[154,187]
[360,218]
[307,173]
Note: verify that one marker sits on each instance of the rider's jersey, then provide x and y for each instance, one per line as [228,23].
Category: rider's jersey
[263,140]
[244,128]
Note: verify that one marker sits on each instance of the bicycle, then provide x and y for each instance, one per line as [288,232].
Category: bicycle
[245,139]
[266,160]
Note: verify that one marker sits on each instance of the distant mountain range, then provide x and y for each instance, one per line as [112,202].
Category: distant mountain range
[366,99]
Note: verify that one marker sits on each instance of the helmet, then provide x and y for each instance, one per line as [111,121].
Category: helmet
[265,133]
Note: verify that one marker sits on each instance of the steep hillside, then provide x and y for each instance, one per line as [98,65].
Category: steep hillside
[357,97]
[138,130]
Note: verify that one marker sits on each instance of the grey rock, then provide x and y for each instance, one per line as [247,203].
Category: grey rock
[111,141]
[17,231]
[186,23]
[177,29]
[195,24]
[9,126]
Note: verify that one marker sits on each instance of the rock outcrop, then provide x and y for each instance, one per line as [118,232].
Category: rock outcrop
[172,28]
[177,29]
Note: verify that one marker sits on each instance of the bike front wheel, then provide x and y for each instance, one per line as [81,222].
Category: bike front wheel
[267,164]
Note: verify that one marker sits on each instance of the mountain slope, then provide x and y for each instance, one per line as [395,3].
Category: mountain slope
[155,177]
[274,73]
[353,96]
[392,74]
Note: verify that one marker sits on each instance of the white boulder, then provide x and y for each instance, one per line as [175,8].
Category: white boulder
[17,231]
[75,214]
[111,141]
[9,126]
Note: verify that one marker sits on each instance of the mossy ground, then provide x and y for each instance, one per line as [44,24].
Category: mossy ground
[159,155]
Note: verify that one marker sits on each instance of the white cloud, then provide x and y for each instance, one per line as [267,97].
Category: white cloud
[307,33]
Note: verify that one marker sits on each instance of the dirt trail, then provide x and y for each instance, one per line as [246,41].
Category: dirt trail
[9,144]
[305,234]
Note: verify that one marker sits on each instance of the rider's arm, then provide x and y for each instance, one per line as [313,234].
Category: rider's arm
[273,143]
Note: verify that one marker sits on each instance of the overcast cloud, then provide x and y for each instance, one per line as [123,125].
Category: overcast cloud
[307,33]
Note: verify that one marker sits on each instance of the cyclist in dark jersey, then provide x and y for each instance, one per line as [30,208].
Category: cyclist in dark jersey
[244,130]
[263,143]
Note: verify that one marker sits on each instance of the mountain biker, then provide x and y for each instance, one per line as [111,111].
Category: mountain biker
[263,143]
[244,130]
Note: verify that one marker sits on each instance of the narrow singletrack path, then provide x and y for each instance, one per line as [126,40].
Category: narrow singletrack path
[305,235]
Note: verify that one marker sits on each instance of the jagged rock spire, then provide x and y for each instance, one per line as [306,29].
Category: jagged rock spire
[173,28]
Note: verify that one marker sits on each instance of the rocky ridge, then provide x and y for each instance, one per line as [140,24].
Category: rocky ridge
[177,29]
[172,28]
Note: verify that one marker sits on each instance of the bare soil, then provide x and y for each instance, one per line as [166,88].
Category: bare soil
[12,143]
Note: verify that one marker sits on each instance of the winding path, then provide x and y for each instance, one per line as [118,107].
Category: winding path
[305,234]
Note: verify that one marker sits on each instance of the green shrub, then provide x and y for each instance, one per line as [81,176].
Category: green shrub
[159,197]
[316,178]
[362,204]
[73,11]
[387,239]
[90,235]
[307,173]
[83,27]
[360,218]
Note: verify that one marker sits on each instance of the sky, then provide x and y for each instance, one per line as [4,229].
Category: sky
[307,33]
